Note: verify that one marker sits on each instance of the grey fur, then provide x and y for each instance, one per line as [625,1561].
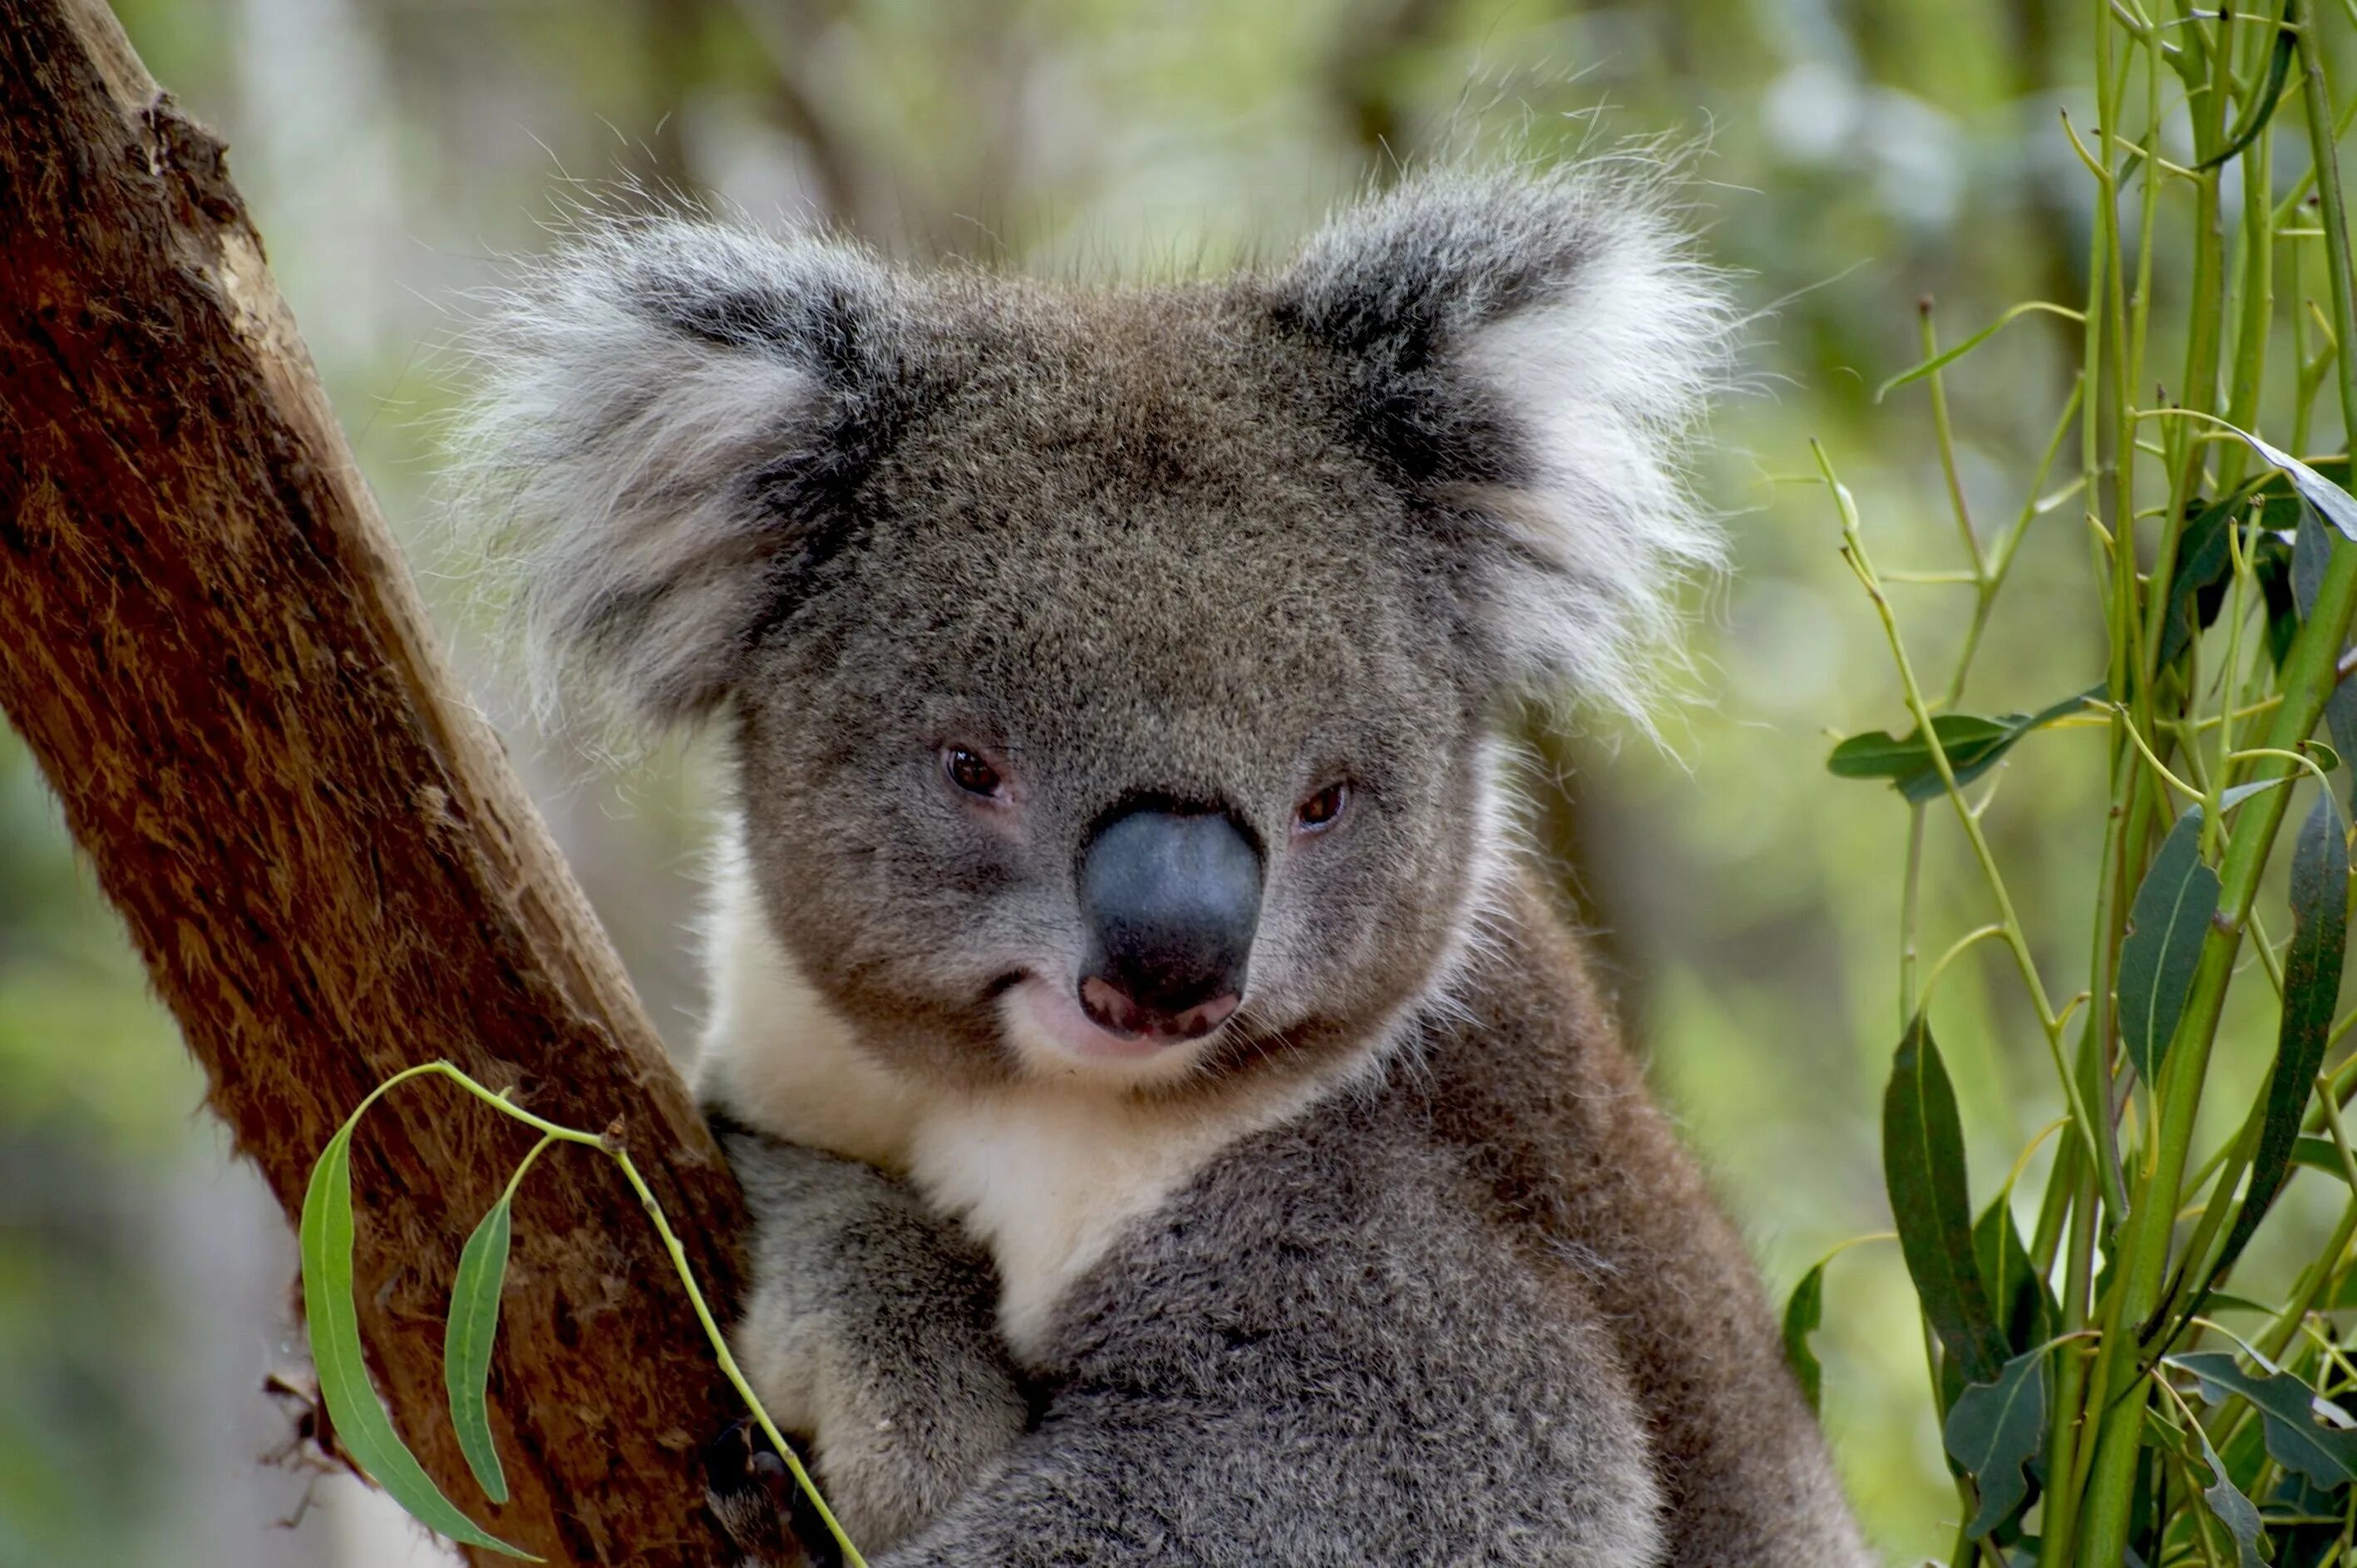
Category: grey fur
[879,1340]
[1398,1265]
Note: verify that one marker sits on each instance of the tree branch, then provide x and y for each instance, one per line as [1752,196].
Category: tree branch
[208,638]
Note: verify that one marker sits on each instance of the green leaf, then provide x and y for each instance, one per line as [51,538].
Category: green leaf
[2311,547]
[2165,927]
[1923,1166]
[333,1317]
[2204,559]
[1941,360]
[2234,795]
[1993,1430]
[473,1323]
[2333,504]
[1973,745]
[2227,1502]
[1879,754]
[1804,1312]
[2255,116]
[2320,1155]
[2326,1456]
[2311,984]
[2231,1509]
[2024,1306]
[2278,597]
[2322,755]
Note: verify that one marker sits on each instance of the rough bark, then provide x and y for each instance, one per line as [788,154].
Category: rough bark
[208,638]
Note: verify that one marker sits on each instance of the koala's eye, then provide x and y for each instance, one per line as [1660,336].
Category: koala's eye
[1323,809]
[969,772]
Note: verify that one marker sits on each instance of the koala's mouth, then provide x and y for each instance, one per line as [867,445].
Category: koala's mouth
[1049,1026]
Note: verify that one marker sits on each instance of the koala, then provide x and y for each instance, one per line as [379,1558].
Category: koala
[1179,1127]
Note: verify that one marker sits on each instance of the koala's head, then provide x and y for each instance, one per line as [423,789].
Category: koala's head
[1114,676]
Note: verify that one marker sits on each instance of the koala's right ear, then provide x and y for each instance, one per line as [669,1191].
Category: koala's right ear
[671,422]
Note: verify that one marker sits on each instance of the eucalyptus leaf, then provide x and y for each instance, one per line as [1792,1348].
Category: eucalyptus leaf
[2230,1507]
[2296,1440]
[1880,754]
[2025,1307]
[2335,505]
[1804,1312]
[2313,545]
[473,1325]
[2311,984]
[2167,924]
[1923,1168]
[1973,744]
[2256,114]
[2205,561]
[2281,507]
[2184,1540]
[2234,796]
[2278,598]
[362,1425]
[2320,1155]
[1993,1431]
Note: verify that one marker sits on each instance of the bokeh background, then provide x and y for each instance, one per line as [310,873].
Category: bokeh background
[1849,157]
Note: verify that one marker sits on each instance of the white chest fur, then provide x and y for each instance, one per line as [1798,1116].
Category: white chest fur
[1047,1178]
[1044,1176]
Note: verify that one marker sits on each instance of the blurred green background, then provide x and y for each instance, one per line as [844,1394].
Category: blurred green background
[1855,155]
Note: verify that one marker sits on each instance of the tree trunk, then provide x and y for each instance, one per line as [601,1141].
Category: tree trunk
[209,641]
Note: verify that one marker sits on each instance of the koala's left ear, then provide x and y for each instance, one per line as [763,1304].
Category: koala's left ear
[671,422]
[1528,353]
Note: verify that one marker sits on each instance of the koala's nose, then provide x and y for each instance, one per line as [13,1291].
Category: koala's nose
[1171,900]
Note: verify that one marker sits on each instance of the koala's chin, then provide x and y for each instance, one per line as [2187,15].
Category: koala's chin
[1053,1036]
[1177,1130]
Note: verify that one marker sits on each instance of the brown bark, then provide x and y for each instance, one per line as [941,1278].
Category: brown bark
[208,638]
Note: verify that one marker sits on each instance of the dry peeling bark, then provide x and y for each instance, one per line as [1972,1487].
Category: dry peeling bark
[207,638]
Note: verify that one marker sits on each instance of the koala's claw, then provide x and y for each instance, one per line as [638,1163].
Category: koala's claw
[751,1493]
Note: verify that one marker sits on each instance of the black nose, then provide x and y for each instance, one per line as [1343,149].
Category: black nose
[1171,900]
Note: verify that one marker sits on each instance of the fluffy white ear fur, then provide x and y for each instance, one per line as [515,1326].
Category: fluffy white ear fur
[1574,302]
[637,390]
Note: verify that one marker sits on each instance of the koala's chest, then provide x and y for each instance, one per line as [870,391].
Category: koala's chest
[1047,1182]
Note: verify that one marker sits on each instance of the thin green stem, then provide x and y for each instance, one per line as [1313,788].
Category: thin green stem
[2016,939]
[1989,577]
[1911,888]
[729,1367]
[554,1133]
[1944,438]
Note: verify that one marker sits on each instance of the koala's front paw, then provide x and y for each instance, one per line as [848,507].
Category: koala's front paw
[872,1329]
[753,1495]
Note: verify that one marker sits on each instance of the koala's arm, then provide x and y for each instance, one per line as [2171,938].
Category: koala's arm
[1160,1479]
[871,1330]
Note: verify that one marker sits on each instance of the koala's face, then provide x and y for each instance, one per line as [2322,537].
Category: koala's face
[1131,737]
[1112,676]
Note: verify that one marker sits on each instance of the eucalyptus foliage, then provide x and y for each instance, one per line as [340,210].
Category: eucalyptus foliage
[2093,1412]
[332,1317]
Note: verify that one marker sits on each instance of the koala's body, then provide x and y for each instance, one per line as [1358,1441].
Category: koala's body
[1177,1130]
